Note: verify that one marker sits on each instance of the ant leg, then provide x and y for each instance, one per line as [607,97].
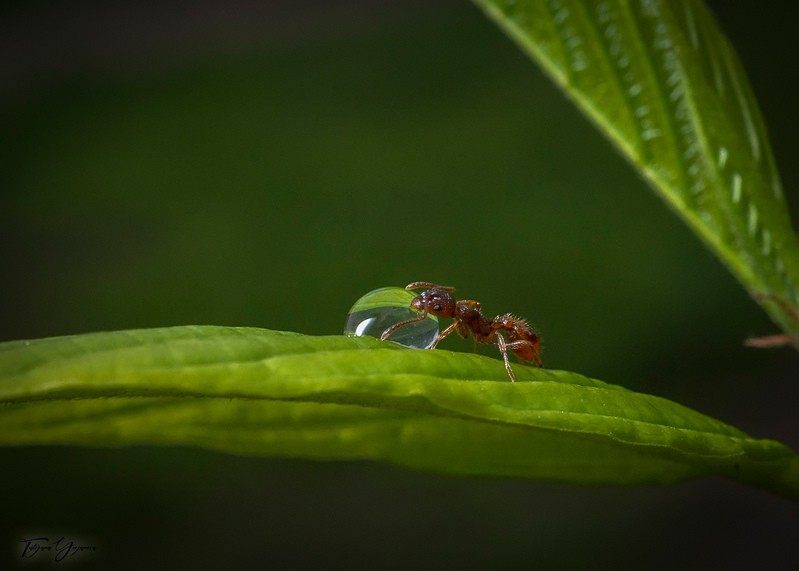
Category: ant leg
[427,285]
[444,333]
[390,331]
[503,348]
[523,344]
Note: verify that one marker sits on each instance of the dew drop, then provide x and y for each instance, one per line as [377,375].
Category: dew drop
[379,309]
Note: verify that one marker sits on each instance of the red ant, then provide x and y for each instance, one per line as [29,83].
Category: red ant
[523,340]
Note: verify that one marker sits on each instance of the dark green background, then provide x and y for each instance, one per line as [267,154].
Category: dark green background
[236,164]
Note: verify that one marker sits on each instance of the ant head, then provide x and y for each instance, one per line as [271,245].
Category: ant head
[435,301]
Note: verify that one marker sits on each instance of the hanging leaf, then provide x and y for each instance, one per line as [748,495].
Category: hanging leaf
[665,85]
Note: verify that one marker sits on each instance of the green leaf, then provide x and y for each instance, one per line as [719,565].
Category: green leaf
[254,391]
[663,83]
[384,297]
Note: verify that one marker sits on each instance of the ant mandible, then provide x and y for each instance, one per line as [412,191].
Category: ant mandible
[522,339]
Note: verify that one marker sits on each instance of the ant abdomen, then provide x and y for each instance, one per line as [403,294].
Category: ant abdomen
[523,339]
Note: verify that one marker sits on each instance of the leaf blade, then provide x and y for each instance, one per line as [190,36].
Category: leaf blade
[664,84]
[248,390]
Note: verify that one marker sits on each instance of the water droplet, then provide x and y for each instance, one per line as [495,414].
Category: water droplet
[379,309]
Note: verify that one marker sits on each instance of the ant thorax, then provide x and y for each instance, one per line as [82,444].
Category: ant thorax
[470,316]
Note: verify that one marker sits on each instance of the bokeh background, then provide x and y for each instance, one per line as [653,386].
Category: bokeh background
[265,164]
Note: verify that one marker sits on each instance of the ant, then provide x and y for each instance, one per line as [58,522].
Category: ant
[523,340]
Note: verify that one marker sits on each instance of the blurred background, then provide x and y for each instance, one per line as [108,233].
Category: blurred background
[265,164]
